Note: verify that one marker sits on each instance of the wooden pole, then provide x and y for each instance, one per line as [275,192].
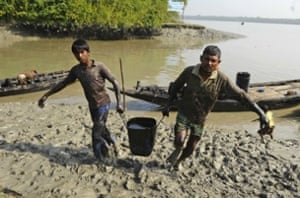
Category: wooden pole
[123,87]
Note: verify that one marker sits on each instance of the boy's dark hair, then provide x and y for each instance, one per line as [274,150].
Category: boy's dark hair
[80,44]
[212,50]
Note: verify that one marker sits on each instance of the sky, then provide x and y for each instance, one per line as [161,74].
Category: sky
[245,8]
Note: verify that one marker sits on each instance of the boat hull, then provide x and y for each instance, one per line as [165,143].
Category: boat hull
[277,95]
[43,81]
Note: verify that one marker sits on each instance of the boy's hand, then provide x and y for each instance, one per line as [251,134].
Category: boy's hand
[41,102]
[120,109]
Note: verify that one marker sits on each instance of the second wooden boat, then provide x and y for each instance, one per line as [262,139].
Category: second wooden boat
[276,94]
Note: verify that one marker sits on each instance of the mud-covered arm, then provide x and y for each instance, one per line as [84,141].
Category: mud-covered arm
[236,93]
[108,75]
[117,95]
[176,86]
[173,90]
[56,88]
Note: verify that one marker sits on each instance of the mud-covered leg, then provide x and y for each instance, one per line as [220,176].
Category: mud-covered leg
[188,150]
[178,144]
[100,145]
[111,141]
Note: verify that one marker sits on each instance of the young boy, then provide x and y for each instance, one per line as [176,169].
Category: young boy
[92,76]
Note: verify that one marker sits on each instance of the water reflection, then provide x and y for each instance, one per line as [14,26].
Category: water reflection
[149,61]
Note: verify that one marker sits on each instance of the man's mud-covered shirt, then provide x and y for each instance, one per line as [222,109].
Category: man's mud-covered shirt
[199,96]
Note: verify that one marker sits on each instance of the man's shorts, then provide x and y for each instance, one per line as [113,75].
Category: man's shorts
[183,123]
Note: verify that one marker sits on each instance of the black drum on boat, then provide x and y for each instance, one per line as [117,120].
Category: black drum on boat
[243,80]
[141,134]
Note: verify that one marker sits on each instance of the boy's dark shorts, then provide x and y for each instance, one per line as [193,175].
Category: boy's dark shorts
[182,123]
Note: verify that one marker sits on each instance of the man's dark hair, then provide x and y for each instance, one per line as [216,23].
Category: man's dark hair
[212,50]
[80,44]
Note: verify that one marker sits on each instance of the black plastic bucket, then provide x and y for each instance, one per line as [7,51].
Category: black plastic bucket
[141,134]
[243,80]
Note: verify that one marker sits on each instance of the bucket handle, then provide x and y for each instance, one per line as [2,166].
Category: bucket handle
[160,121]
[124,120]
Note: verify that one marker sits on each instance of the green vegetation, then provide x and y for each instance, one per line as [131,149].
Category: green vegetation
[107,19]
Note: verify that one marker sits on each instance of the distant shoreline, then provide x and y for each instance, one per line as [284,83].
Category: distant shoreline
[246,19]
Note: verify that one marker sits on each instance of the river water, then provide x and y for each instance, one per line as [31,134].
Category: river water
[268,52]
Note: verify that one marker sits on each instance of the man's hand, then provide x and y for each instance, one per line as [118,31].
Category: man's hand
[41,102]
[166,111]
[264,122]
[120,109]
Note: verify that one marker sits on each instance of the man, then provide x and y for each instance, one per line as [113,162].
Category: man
[92,76]
[200,86]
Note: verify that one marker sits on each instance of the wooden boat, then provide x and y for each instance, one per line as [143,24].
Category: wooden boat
[277,95]
[42,81]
